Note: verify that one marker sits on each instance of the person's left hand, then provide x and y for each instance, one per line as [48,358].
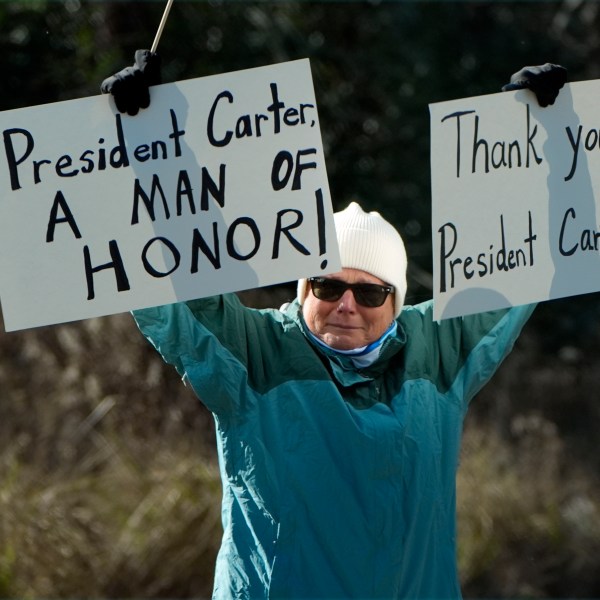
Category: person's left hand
[130,86]
[545,81]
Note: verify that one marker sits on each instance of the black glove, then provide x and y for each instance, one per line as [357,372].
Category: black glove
[544,81]
[129,87]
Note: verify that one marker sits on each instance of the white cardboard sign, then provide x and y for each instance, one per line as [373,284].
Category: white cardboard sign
[515,192]
[219,186]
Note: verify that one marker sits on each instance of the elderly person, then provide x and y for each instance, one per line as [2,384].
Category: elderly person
[338,423]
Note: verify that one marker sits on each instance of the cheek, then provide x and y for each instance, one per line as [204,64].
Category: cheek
[310,314]
[380,325]
[315,313]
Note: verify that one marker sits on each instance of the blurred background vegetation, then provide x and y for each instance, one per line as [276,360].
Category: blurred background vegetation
[108,480]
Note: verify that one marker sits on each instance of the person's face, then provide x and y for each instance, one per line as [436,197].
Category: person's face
[345,324]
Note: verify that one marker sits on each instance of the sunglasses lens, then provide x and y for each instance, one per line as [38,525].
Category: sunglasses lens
[370,295]
[327,289]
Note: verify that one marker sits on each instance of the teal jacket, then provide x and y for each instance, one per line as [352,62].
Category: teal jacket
[337,482]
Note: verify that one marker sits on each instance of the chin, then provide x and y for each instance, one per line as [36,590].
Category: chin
[341,344]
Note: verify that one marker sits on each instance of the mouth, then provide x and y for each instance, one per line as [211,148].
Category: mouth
[343,326]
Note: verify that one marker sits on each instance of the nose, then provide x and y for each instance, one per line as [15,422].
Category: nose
[347,303]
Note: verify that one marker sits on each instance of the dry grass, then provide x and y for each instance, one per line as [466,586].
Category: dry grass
[136,527]
[529,522]
[107,486]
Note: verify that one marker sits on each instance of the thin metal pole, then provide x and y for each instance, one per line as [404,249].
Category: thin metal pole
[161,26]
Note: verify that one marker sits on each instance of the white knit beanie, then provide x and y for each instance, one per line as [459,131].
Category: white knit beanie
[369,243]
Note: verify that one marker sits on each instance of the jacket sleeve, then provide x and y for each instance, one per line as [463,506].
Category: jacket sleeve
[225,351]
[461,354]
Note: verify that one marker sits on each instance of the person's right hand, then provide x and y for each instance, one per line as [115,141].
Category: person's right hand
[130,87]
[545,81]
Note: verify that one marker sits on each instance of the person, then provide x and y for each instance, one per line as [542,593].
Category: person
[339,418]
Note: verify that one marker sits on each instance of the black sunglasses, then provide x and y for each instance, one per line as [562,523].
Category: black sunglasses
[371,295]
